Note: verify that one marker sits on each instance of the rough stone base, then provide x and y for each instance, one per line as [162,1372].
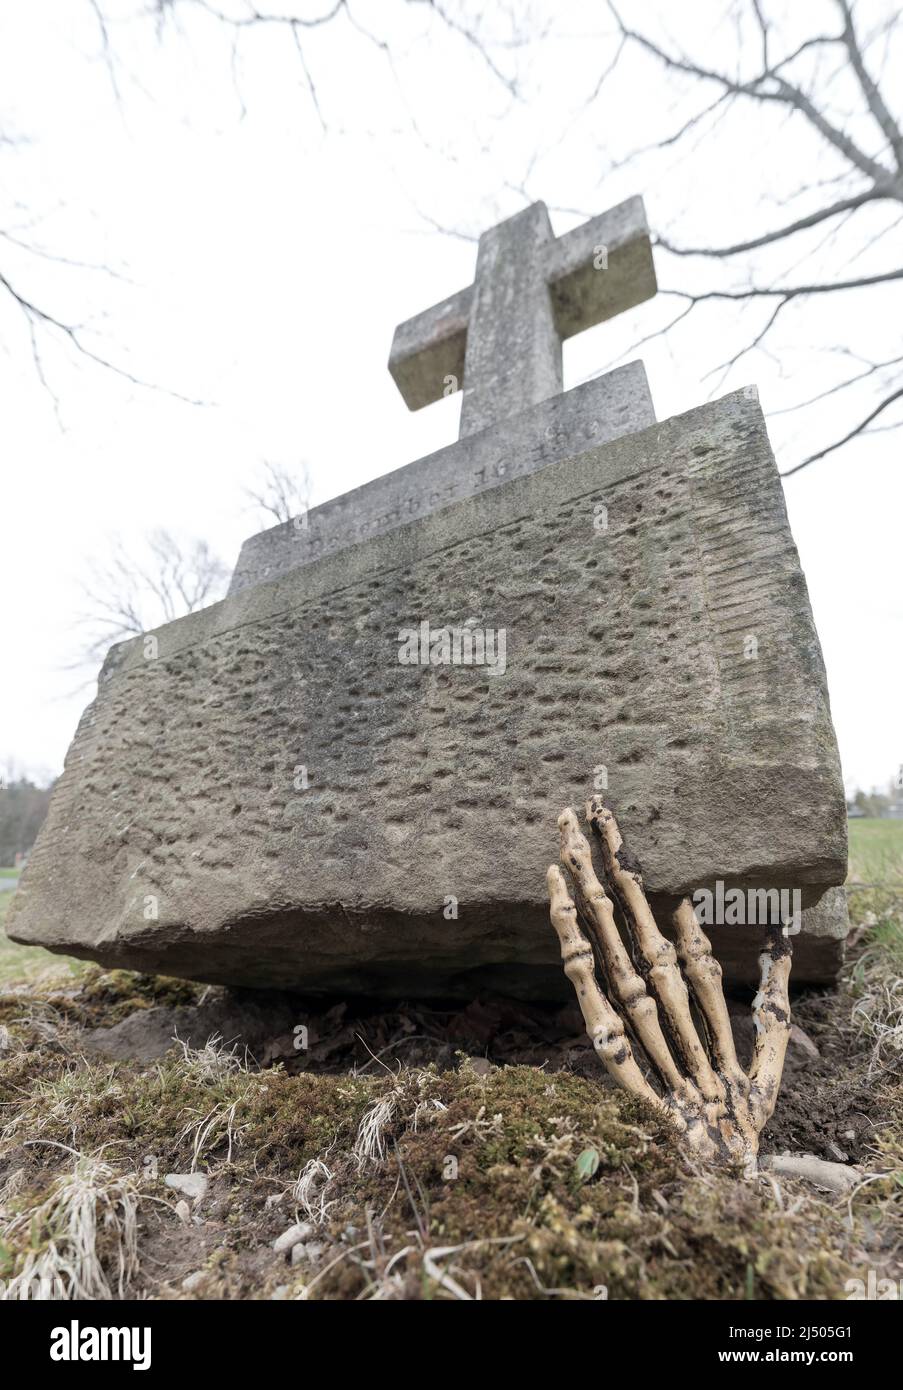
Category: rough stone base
[525,965]
[267,796]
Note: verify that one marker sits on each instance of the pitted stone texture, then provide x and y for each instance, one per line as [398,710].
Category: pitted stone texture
[625,650]
[615,404]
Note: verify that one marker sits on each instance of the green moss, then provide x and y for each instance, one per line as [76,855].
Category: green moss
[108,996]
[96,998]
[509,1192]
[291,1119]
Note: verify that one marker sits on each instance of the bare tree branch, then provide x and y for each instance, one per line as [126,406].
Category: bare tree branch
[130,594]
[861,428]
[44,319]
[57,259]
[106,45]
[474,40]
[781,91]
[838,386]
[870,195]
[281,494]
[41,318]
[869,88]
[772,85]
[789,291]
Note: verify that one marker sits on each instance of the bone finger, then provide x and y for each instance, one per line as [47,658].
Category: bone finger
[604,1026]
[625,880]
[703,973]
[625,984]
[771,1020]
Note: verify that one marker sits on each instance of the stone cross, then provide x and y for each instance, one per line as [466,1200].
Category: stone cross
[500,339]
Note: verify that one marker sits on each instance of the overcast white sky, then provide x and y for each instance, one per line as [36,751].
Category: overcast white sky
[267,261]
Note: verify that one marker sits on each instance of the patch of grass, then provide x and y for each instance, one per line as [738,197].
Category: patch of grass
[876,909]
[874,987]
[80,1241]
[16,962]
[875,890]
[876,851]
[108,996]
[24,963]
[9,873]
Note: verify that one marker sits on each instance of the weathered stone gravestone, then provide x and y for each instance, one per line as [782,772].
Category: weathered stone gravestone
[346,776]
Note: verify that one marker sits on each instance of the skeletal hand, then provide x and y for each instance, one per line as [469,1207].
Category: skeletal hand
[704,1092]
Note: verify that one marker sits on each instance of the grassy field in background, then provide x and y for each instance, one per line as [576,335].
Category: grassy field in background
[876,851]
[875,895]
[27,962]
